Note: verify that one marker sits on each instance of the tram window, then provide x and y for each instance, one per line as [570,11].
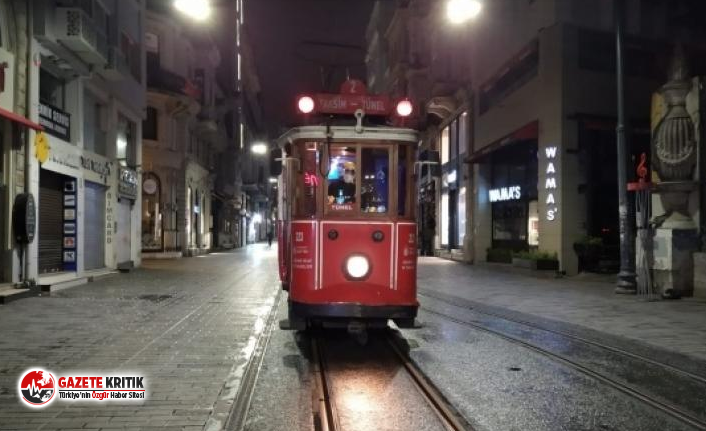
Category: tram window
[342,178]
[402,175]
[307,180]
[374,174]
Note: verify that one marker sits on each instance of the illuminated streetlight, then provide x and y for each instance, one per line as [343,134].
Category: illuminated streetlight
[259,148]
[273,180]
[196,9]
[460,11]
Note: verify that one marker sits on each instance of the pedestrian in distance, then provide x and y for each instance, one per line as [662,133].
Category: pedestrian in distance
[270,235]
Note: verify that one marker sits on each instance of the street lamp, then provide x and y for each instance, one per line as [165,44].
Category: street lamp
[259,148]
[460,11]
[199,10]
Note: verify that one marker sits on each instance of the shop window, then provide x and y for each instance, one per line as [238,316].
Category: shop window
[152,212]
[374,184]
[533,224]
[150,124]
[444,143]
[461,217]
[444,218]
[341,178]
[95,133]
[464,138]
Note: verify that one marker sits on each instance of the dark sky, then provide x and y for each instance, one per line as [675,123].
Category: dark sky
[293,39]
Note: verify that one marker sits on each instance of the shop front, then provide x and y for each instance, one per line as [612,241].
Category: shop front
[513,197]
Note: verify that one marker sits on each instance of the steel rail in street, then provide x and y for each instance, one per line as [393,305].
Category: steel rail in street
[665,407]
[570,335]
[241,405]
[326,417]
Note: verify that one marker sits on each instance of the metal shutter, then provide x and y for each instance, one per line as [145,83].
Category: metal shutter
[51,222]
[94,226]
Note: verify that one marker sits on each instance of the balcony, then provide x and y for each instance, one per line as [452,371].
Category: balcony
[166,81]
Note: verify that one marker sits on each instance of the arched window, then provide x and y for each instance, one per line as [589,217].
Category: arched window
[152,212]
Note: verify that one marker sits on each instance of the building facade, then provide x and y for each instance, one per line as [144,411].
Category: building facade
[520,102]
[78,75]
[181,136]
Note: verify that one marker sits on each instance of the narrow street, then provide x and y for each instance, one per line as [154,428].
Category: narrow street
[193,328]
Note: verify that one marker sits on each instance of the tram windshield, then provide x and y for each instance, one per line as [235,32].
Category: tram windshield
[356,179]
[358,171]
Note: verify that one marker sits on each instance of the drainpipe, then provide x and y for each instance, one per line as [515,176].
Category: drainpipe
[25,251]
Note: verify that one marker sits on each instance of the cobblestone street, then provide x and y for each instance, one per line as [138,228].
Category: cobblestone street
[187,325]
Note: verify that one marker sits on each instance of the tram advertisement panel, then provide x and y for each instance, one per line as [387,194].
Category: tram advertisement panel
[303,257]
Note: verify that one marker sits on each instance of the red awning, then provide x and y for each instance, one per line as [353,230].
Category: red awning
[20,119]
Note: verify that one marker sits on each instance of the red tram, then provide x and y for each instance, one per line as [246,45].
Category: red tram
[347,233]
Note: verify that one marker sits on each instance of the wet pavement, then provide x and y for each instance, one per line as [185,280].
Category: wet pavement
[187,325]
[194,327]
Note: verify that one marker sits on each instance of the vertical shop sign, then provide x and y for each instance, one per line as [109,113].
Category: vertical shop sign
[550,184]
[109,219]
[70,223]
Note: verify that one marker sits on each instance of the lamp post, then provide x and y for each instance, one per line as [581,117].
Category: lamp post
[626,277]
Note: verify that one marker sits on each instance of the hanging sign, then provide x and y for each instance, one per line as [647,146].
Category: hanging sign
[41,147]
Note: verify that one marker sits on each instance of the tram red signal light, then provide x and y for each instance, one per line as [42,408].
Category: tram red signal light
[404,108]
[305,104]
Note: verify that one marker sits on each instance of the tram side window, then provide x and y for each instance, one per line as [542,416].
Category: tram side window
[374,176]
[402,175]
[307,180]
[341,178]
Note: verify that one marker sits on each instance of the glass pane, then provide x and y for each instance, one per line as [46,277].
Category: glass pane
[444,145]
[307,179]
[445,219]
[374,180]
[461,216]
[341,178]
[402,175]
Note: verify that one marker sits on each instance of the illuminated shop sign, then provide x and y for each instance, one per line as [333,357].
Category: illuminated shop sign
[550,183]
[505,194]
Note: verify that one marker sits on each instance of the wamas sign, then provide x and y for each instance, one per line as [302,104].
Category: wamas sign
[550,183]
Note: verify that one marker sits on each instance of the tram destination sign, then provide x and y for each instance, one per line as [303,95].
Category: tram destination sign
[349,103]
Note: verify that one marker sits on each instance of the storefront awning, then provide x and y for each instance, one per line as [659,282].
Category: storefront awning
[524,133]
[20,119]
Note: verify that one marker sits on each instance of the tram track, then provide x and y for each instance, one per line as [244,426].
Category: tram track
[324,399]
[665,407]
[572,336]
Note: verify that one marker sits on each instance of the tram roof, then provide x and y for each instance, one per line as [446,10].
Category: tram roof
[348,133]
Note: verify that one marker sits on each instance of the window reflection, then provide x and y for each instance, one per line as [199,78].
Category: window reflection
[374,177]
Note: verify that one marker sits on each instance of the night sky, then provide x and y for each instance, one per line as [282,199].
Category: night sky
[294,39]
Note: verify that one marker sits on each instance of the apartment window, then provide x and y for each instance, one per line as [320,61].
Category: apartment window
[131,53]
[95,130]
[51,89]
[125,142]
[150,124]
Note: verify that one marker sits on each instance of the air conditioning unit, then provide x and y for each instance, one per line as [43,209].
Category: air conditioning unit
[77,31]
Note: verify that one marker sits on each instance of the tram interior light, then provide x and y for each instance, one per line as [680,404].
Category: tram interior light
[357,266]
[305,104]
[404,108]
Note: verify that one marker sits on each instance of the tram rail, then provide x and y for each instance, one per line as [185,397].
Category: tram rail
[325,411]
[661,405]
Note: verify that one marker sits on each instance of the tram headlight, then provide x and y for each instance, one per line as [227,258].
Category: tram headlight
[404,108]
[357,266]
